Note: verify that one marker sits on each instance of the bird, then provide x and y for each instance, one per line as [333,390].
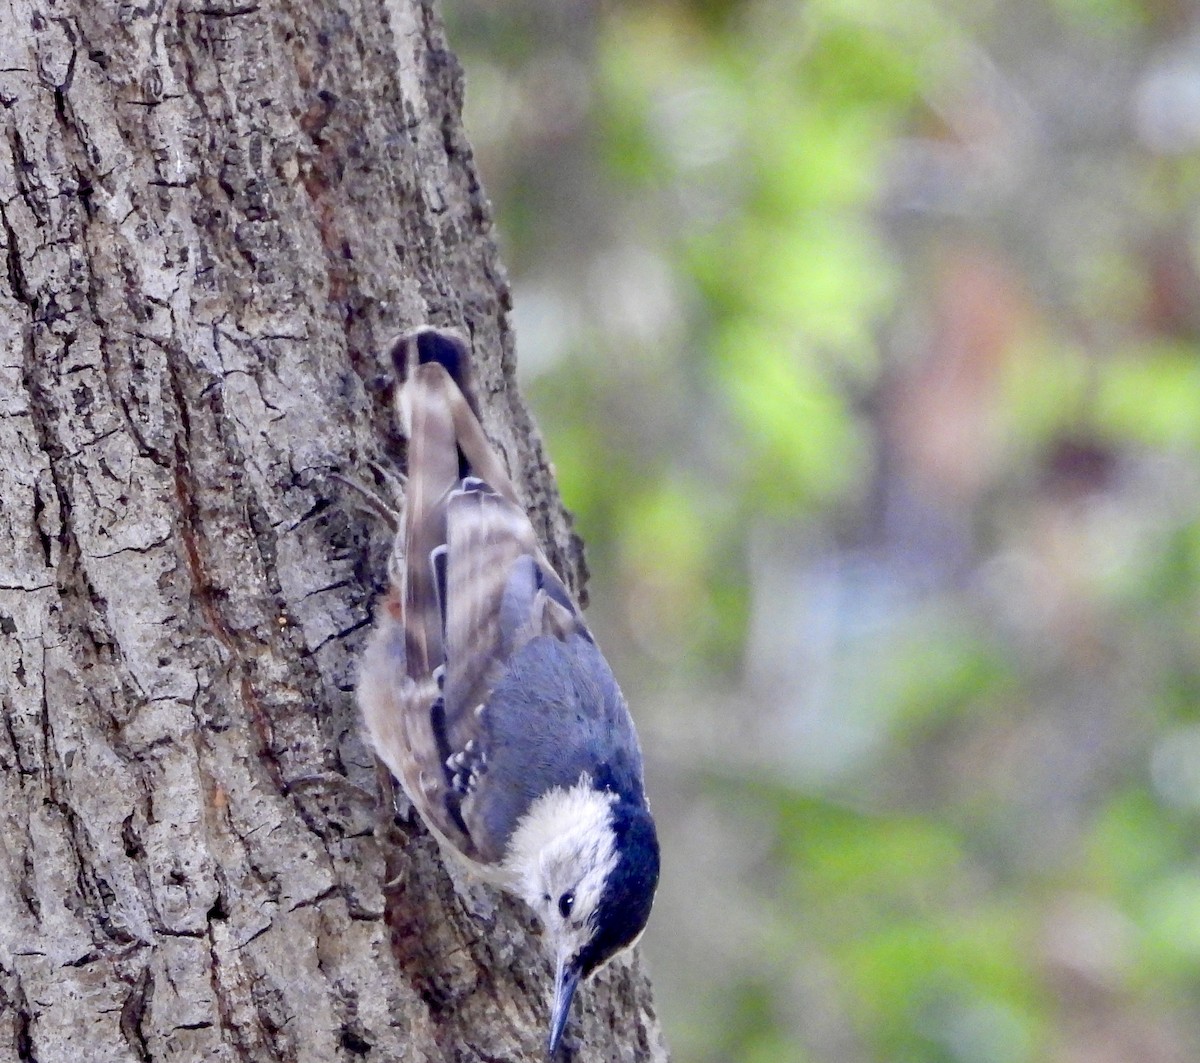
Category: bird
[486,696]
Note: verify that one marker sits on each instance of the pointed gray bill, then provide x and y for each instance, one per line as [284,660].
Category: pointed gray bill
[565,981]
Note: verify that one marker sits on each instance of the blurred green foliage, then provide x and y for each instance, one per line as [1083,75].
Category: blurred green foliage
[865,337]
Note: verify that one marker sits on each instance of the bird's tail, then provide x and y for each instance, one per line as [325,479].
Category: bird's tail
[435,399]
[428,345]
[435,396]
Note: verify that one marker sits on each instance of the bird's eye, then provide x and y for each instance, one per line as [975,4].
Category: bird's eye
[565,903]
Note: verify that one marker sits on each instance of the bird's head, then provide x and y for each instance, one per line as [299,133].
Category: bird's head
[589,868]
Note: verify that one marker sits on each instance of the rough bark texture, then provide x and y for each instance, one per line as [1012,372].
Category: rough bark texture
[215,212]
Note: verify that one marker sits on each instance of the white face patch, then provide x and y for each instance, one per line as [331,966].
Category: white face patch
[560,856]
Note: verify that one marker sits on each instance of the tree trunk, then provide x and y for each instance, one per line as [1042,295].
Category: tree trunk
[215,213]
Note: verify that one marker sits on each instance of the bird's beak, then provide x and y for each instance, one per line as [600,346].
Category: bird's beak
[565,981]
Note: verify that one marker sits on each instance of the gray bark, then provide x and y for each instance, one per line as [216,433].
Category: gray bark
[215,213]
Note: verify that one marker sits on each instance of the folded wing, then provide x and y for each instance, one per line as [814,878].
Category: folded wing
[476,589]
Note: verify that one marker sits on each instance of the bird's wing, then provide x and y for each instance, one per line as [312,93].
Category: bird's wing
[500,592]
[402,672]
[476,589]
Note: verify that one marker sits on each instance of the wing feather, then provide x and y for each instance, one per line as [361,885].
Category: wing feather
[501,593]
[476,588]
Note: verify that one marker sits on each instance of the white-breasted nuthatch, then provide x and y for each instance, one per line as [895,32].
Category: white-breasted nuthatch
[486,696]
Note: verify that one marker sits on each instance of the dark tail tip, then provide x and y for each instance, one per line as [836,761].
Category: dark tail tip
[447,347]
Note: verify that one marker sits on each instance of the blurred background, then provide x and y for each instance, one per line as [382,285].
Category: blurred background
[865,335]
